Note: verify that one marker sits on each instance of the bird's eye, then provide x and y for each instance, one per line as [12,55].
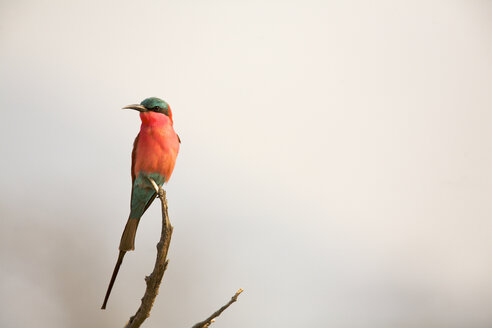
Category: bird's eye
[156,108]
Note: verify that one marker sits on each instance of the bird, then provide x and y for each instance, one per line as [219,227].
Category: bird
[154,154]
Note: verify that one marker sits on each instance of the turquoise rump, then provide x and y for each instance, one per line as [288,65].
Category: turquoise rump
[143,193]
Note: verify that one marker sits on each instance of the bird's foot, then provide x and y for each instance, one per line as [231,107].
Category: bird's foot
[158,189]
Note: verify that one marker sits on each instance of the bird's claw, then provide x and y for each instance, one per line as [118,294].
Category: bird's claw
[158,189]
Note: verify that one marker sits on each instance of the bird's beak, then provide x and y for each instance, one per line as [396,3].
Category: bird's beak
[138,107]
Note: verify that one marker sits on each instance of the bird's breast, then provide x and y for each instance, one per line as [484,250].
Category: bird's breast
[156,151]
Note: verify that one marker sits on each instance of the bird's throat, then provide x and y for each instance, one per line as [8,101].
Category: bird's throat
[155,119]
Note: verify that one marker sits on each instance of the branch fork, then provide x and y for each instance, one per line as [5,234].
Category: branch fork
[153,281]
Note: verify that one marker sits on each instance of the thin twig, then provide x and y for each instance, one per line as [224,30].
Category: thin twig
[154,280]
[207,322]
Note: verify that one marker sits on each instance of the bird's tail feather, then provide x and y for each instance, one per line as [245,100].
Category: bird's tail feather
[113,277]
[127,242]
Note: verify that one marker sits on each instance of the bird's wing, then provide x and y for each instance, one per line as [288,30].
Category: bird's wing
[134,154]
[150,202]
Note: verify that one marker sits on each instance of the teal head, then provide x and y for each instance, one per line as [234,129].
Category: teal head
[152,104]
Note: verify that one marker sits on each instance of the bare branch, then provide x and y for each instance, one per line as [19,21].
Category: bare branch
[207,322]
[154,280]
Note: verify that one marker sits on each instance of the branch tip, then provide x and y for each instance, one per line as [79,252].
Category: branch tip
[207,322]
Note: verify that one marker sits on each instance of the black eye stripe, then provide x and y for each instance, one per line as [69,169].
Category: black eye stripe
[158,109]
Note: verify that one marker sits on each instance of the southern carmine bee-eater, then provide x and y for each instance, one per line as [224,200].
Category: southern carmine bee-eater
[153,157]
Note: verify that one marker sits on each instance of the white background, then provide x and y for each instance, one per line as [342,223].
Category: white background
[335,161]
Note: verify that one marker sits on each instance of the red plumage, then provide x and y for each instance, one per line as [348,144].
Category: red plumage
[156,146]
